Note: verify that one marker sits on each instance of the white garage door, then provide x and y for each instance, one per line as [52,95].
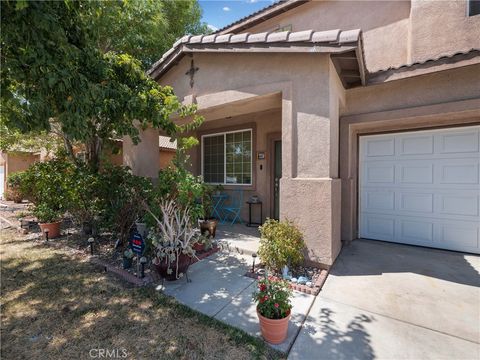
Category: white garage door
[422,188]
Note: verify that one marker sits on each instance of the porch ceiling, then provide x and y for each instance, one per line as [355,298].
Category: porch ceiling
[345,48]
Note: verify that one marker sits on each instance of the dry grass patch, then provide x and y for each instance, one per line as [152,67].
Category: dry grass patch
[56,305]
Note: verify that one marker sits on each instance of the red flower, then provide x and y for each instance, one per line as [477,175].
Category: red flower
[262,300]
[263,287]
[265,298]
[276,305]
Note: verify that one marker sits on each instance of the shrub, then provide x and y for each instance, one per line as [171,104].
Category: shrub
[273,298]
[281,244]
[122,198]
[45,185]
[186,189]
[14,182]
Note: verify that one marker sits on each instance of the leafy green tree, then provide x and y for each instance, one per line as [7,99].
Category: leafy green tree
[53,71]
[145,29]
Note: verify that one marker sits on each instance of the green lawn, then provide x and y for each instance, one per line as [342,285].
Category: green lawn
[58,306]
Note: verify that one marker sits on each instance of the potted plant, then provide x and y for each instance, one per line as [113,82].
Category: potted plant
[273,308]
[208,224]
[172,239]
[127,258]
[49,219]
[203,243]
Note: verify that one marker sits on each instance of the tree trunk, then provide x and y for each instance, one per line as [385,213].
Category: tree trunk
[92,152]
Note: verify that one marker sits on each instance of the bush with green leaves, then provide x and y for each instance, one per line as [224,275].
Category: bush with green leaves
[123,197]
[14,181]
[45,185]
[281,244]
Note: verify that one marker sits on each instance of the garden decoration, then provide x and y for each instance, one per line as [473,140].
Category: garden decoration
[127,258]
[173,239]
[273,308]
[90,242]
[208,224]
[137,244]
[143,261]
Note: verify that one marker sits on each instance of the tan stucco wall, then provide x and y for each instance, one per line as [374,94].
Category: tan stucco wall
[394,32]
[17,161]
[165,158]
[383,23]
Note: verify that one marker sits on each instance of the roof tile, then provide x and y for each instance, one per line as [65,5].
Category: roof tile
[349,36]
[239,38]
[256,38]
[222,39]
[209,39]
[300,36]
[326,36]
[196,39]
[278,36]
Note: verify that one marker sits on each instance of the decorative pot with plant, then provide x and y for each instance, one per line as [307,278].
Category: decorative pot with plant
[208,224]
[203,243]
[49,219]
[127,258]
[172,239]
[273,308]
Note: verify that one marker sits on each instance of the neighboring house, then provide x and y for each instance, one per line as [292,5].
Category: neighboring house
[14,161]
[360,120]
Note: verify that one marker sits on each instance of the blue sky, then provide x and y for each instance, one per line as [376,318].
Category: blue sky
[220,13]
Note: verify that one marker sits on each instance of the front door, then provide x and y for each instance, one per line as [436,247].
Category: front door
[277,175]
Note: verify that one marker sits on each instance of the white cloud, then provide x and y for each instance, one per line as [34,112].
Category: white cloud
[212,27]
[252,1]
[226,8]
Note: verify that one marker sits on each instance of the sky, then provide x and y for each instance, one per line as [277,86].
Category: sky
[218,13]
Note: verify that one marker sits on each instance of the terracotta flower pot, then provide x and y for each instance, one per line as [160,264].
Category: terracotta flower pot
[183,264]
[274,331]
[53,229]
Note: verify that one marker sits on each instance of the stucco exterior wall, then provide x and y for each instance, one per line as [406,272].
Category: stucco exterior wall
[394,32]
[165,158]
[383,23]
[442,28]
[17,161]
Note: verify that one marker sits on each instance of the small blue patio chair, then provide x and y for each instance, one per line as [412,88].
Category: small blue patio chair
[233,208]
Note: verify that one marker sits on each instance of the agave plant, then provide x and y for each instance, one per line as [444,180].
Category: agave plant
[173,235]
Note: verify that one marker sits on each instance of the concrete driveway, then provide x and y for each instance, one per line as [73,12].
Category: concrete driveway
[389,301]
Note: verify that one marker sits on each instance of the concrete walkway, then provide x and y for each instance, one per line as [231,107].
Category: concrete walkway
[219,289]
[388,301]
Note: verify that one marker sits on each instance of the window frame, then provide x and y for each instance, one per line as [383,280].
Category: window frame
[469,9]
[224,133]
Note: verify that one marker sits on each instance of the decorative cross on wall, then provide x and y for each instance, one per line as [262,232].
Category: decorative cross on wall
[191,72]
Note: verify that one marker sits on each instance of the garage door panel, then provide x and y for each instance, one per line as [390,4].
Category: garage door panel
[463,235]
[415,145]
[422,188]
[455,204]
[380,147]
[416,202]
[416,172]
[379,173]
[415,231]
[458,142]
[459,172]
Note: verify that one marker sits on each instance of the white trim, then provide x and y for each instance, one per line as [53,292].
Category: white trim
[224,133]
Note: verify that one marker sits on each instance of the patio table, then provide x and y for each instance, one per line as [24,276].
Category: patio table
[218,202]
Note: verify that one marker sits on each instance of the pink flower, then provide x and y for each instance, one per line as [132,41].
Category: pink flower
[276,305]
[265,298]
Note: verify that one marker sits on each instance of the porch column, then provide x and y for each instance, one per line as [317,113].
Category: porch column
[310,187]
[143,158]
